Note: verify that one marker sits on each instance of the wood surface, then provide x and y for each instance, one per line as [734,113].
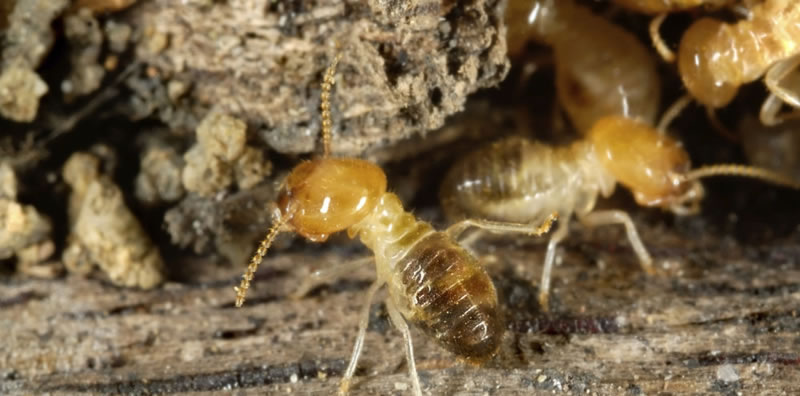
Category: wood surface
[721,319]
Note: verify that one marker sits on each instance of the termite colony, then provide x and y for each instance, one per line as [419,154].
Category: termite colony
[615,114]
[608,83]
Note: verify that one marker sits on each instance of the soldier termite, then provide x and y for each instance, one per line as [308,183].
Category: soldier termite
[520,179]
[432,281]
[715,58]
[601,69]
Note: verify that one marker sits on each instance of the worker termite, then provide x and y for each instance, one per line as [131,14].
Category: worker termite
[432,281]
[520,179]
[601,69]
[715,58]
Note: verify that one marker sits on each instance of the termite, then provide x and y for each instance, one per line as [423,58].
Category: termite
[521,179]
[715,58]
[601,69]
[432,281]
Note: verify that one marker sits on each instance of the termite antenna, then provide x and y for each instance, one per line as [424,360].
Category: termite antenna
[241,291]
[672,112]
[658,42]
[743,171]
[327,82]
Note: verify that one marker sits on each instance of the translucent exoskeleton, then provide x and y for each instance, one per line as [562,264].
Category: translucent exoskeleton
[601,69]
[432,281]
[715,58]
[524,180]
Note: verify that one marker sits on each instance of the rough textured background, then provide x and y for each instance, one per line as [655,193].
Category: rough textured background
[406,65]
[725,322]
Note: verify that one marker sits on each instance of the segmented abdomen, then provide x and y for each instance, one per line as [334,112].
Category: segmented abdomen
[771,36]
[450,297]
[516,179]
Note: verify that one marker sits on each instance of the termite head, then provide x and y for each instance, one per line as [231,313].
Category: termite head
[321,196]
[702,64]
[326,195]
[650,164]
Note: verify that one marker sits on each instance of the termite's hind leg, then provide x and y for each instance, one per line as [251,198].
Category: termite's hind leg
[501,227]
[532,229]
[401,325]
[363,321]
[658,42]
[775,77]
[604,217]
[549,258]
[326,275]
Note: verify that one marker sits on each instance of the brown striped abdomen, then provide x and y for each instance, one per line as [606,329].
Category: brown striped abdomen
[450,297]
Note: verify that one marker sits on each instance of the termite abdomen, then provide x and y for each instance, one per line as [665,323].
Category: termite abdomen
[451,297]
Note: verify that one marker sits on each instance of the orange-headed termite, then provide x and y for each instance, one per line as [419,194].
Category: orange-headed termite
[715,58]
[432,281]
[521,179]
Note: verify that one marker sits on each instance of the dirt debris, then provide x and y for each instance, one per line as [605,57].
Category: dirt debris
[26,232]
[26,41]
[221,156]
[85,37]
[159,180]
[104,232]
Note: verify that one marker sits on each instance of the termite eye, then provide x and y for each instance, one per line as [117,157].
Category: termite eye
[283,201]
[701,64]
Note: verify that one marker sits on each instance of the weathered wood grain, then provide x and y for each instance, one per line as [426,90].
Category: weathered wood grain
[723,320]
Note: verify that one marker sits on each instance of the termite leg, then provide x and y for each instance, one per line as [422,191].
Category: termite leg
[770,114]
[672,112]
[326,275]
[363,321]
[501,227]
[550,258]
[777,73]
[605,217]
[658,43]
[719,127]
[401,325]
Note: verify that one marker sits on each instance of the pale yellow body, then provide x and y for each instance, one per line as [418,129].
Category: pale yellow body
[715,58]
[601,69]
